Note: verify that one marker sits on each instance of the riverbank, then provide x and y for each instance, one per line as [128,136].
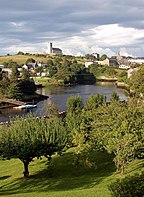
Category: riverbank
[34,98]
[106,79]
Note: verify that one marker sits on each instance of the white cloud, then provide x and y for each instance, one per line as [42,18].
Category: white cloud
[76,26]
[102,39]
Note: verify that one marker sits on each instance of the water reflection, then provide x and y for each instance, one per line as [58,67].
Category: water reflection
[59,95]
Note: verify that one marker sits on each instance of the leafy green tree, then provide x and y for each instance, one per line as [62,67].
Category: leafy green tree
[129,186]
[4,84]
[27,138]
[116,130]
[10,64]
[30,60]
[95,101]
[103,57]
[14,75]
[137,81]
[14,91]
[20,53]
[74,104]
[25,75]
[26,86]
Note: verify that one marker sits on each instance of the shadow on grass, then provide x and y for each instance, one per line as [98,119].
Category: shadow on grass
[4,177]
[63,175]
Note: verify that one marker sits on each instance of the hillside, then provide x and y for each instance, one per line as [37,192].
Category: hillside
[62,178]
[21,59]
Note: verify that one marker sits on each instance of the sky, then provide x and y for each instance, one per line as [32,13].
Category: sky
[78,27]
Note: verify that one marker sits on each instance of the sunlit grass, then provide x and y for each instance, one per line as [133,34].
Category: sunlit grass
[62,178]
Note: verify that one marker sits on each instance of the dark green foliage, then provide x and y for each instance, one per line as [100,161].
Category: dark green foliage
[27,86]
[14,91]
[132,186]
[103,57]
[119,129]
[25,75]
[137,81]
[14,75]
[30,60]
[95,101]
[74,104]
[27,138]
[10,64]
[99,70]
[20,53]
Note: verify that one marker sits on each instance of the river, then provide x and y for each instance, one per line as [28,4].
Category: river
[59,95]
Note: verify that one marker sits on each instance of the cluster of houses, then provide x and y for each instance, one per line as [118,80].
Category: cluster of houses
[31,67]
[121,62]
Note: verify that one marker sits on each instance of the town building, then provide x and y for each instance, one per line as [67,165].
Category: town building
[55,51]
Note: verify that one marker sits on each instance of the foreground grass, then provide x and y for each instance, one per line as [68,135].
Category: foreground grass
[62,178]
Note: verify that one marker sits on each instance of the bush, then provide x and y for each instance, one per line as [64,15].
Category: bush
[131,186]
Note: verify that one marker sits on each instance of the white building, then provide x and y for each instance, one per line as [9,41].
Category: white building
[88,63]
[136,60]
[123,66]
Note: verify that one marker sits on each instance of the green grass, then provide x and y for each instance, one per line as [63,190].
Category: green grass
[21,59]
[62,178]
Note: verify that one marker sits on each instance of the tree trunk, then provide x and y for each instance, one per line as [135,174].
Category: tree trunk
[26,172]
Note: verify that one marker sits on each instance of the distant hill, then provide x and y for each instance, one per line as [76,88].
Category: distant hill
[21,59]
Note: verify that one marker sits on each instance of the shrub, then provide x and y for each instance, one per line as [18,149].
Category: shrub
[131,186]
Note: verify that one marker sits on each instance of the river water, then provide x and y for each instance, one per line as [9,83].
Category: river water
[59,95]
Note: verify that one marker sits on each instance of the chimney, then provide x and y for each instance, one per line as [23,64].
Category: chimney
[50,47]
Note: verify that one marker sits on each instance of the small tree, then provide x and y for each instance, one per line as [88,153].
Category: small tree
[74,104]
[95,101]
[27,138]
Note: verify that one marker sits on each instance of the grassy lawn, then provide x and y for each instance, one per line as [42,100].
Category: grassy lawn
[62,178]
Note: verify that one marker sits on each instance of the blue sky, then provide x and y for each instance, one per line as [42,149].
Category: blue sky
[77,27]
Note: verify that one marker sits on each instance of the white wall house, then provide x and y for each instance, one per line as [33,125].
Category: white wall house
[88,63]
[123,66]
[136,60]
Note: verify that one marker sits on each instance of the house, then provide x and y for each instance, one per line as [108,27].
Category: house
[30,66]
[123,66]
[113,62]
[136,60]
[7,71]
[104,62]
[1,66]
[96,55]
[88,63]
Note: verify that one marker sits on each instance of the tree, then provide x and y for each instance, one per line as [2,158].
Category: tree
[26,86]
[25,75]
[118,129]
[20,53]
[103,57]
[30,60]
[74,104]
[137,81]
[95,101]
[27,138]
[14,75]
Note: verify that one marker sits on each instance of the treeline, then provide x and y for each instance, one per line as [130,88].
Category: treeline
[69,71]
[15,86]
